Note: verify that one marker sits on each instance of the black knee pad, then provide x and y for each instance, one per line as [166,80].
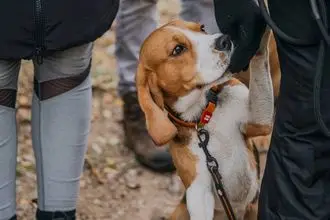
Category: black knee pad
[44,215]
[48,89]
[13,218]
[8,97]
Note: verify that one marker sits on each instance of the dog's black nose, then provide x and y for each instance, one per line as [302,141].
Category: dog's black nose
[223,43]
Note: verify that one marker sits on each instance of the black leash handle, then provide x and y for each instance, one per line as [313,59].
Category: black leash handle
[213,167]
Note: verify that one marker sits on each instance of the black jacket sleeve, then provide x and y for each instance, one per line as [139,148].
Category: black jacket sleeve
[50,25]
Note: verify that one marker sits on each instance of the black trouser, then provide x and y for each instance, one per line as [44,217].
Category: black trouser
[296,183]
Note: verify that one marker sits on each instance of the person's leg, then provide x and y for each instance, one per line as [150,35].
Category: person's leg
[135,21]
[200,11]
[61,114]
[296,182]
[8,138]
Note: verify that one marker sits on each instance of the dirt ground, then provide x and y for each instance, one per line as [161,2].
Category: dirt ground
[113,185]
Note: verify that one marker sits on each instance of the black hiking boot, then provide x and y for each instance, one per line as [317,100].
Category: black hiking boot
[138,139]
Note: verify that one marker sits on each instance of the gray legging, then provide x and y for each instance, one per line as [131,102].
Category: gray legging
[61,112]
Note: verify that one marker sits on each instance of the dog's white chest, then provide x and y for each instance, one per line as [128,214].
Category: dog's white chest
[228,146]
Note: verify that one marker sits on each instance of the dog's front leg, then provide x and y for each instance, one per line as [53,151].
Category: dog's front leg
[200,198]
[261,98]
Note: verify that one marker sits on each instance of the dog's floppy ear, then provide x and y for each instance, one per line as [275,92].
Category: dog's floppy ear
[160,128]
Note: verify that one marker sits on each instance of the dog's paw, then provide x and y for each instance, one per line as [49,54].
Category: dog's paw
[251,130]
[261,142]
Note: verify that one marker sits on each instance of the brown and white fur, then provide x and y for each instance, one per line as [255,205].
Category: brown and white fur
[181,83]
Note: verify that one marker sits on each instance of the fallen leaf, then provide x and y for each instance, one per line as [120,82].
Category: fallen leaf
[111,163]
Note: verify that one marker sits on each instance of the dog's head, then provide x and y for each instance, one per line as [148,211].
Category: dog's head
[177,60]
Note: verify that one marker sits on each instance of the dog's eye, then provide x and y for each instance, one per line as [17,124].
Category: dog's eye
[179,49]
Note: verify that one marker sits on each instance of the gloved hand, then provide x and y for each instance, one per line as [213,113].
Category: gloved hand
[243,22]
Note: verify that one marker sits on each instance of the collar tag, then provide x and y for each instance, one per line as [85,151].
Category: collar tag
[207,114]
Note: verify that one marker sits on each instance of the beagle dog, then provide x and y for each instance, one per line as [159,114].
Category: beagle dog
[178,65]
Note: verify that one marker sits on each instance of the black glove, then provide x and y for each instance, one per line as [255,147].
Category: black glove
[243,22]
